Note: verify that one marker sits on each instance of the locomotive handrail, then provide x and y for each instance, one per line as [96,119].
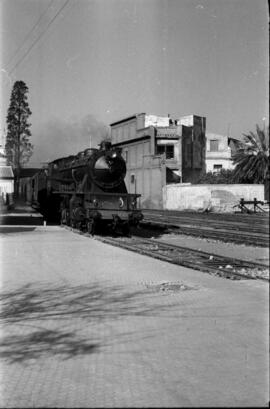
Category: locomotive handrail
[60,179]
[74,192]
[72,166]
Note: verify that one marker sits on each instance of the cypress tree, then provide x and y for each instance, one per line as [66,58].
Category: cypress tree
[18,147]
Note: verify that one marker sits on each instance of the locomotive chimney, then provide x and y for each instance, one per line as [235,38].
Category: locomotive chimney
[105,145]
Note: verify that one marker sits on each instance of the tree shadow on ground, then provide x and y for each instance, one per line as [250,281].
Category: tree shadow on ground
[20,348]
[39,315]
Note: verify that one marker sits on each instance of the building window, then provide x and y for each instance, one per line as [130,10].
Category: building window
[167,149]
[132,178]
[214,145]
[160,149]
[217,168]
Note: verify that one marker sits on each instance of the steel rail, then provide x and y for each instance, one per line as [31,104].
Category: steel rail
[198,260]
[217,265]
[224,235]
[246,225]
[256,227]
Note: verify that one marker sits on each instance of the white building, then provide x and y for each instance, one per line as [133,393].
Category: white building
[6,176]
[219,150]
[6,181]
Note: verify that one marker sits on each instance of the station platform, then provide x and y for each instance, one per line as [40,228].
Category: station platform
[21,213]
[87,325]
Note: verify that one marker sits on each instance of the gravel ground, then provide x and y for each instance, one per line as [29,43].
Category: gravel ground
[242,252]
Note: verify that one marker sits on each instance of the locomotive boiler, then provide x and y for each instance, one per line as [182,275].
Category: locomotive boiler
[87,191]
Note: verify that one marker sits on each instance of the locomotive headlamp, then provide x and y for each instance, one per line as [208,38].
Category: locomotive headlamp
[114,155]
[121,202]
[95,202]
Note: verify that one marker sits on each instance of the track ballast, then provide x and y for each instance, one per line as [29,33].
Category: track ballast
[217,265]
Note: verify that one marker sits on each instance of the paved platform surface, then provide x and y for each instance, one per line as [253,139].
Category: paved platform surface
[84,324]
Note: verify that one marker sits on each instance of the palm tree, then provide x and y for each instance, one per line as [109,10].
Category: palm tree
[252,158]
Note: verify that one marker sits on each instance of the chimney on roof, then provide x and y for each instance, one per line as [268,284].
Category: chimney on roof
[170,120]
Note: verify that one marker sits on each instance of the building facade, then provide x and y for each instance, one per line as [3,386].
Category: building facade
[159,151]
[219,150]
[6,178]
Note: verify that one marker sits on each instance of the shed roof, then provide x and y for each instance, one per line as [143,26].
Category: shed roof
[28,172]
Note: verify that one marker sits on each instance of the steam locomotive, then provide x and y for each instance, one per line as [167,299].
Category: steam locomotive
[87,191]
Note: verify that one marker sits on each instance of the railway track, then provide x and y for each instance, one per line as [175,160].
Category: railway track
[257,223]
[217,265]
[226,232]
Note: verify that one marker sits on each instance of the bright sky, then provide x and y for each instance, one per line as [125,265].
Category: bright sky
[88,63]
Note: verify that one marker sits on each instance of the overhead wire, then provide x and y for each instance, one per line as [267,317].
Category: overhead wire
[29,32]
[39,37]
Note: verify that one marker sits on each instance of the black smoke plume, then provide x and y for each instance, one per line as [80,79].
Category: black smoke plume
[57,138]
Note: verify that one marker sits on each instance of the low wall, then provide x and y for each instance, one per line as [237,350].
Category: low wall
[216,198]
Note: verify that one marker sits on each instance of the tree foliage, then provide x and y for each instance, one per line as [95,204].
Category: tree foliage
[18,147]
[225,176]
[252,158]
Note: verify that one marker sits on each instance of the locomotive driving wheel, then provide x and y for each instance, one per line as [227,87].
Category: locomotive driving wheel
[91,226]
[115,224]
[65,219]
[126,229]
